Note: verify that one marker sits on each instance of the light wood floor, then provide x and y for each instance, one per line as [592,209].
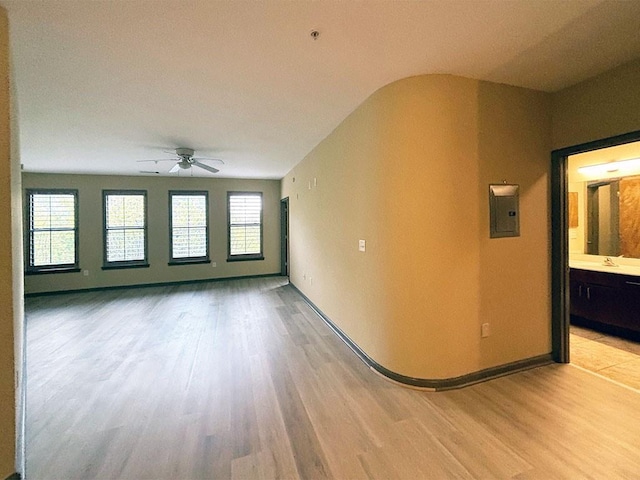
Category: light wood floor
[240,379]
[610,356]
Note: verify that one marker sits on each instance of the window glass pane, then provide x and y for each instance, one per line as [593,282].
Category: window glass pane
[134,210]
[245,209]
[180,243]
[41,254]
[115,211]
[197,242]
[134,244]
[245,240]
[197,214]
[180,211]
[40,212]
[62,247]
[115,246]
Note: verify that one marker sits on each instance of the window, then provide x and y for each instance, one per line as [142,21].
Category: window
[244,216]
[125,228]
[52,223]
[188,225]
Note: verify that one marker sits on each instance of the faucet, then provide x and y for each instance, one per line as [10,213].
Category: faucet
[608,262]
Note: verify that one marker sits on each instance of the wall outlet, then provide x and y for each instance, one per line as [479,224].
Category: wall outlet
[214,264]
[485,330]
[85,273]
[362,245]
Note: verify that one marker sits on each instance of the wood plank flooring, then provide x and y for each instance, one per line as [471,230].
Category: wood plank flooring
[610,356]
[240,379]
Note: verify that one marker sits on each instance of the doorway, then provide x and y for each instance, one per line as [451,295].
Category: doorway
[560,297]
[284,237]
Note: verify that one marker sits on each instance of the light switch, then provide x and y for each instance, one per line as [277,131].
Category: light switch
[362,245]
[485,331]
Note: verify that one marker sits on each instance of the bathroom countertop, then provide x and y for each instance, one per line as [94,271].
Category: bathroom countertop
[598,266]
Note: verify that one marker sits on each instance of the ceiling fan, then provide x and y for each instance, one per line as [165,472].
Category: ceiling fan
[185,160]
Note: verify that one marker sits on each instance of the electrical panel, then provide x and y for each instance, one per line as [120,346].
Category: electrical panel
[504,211]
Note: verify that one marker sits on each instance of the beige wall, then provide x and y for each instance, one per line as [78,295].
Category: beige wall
[91,234]
[408,171]
[18,281]
[604,106]
[514,284]
[7,362]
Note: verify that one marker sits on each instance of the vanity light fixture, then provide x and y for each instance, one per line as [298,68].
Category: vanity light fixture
[610,167]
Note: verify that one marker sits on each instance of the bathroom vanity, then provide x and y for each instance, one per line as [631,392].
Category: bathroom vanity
[603,208]
[606,298]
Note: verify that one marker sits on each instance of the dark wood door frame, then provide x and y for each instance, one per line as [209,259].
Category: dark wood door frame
[559,239]
[284,237]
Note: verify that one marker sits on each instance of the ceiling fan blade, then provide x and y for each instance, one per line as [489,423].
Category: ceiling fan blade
[158,160]
[175,168]
[208,159]
[205,167]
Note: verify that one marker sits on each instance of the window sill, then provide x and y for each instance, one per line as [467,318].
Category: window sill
[42,271]
[188,262]
[116,266]
[245,258]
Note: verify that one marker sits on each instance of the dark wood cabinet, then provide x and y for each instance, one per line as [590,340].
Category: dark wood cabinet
[606,301]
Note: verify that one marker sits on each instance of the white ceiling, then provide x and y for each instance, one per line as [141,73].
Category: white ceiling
[101,84]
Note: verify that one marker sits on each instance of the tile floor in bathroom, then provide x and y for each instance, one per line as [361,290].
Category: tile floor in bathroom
[612,357]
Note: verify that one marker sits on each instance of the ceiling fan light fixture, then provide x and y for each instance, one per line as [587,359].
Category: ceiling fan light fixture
[185,152]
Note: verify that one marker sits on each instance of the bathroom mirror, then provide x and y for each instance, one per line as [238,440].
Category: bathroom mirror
[613,217]
[603,201]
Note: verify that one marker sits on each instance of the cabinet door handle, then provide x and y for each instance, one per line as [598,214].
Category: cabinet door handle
[579,290]
[633,283]
[588,293]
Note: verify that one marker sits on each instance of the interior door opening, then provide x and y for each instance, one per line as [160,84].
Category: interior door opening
[591,230]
